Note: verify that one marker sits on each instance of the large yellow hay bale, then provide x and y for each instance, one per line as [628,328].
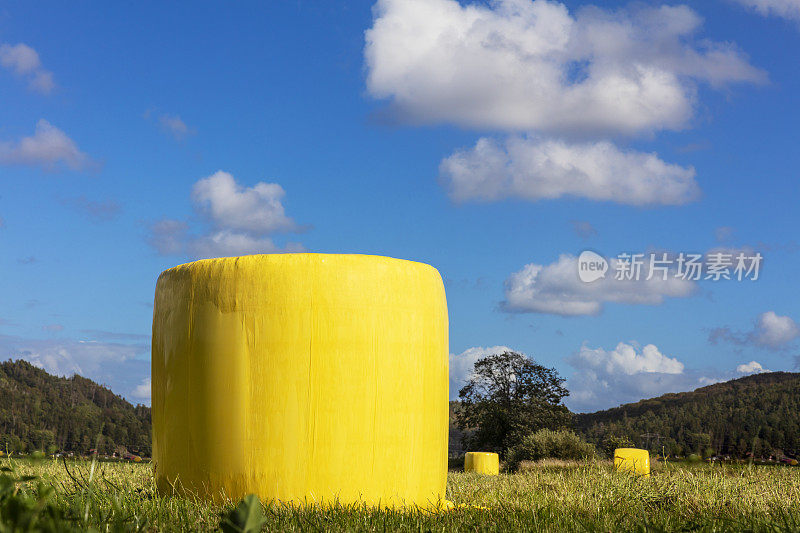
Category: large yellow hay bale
[632,460]
[482,463]
[305,378]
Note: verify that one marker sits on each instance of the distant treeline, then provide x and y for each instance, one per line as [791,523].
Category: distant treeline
[758,415]
[39,411]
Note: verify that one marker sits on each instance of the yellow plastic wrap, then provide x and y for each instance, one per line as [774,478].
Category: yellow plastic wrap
[632,460]
[305,378]
[482,463]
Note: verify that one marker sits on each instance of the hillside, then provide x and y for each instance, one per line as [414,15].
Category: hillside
[39,411]
[757,414]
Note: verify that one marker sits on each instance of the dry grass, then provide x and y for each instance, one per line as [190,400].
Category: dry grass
[548,496]
[527,466]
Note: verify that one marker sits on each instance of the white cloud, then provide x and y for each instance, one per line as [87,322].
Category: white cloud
[789,9]
[229,205]
[463,364]
[607,378]
[143,390]
[523,65]
[770,330]
[753,367]
[629,359]
[20,58]
[775,331]
[175,126]
[117,365]
[571,81]
[53,328]
[227,243]
[534,169]
[241,219]
[42,82]
[557,289]
[49,147]
[24,61]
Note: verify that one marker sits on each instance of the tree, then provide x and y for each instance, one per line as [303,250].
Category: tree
[508,397]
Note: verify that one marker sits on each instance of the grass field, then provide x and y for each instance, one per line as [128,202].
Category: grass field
[121,497]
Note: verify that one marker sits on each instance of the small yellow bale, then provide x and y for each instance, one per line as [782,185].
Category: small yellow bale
[632,460]
[482,463]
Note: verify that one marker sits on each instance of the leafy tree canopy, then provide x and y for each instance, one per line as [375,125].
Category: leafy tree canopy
[507,397]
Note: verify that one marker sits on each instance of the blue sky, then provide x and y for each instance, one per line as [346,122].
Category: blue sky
[495,141]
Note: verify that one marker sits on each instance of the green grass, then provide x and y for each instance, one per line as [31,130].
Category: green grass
[122,497]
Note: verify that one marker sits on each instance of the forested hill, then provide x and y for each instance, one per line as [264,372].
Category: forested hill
[39,411]
[758,414]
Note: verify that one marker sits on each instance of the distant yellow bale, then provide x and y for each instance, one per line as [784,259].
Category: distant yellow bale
[305,378]
[482,463]
[632,460]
